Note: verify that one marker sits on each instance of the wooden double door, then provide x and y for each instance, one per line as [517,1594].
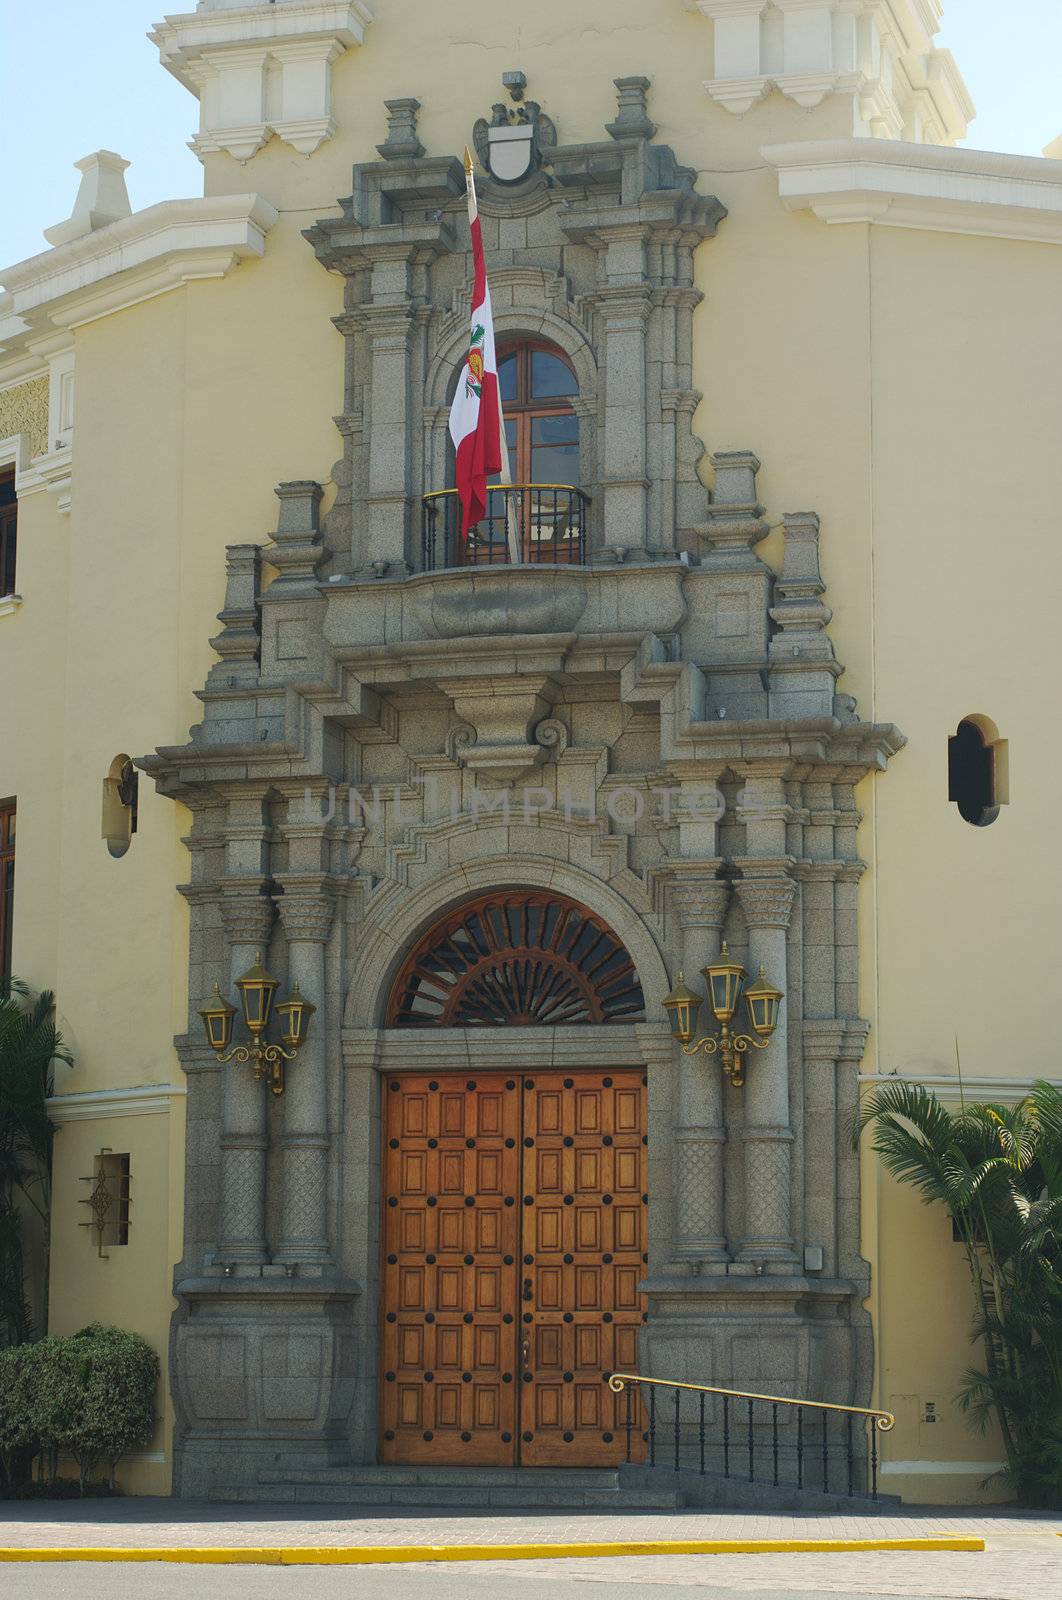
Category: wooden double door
[514,1242]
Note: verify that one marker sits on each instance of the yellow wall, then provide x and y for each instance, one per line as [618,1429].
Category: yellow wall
[902,383]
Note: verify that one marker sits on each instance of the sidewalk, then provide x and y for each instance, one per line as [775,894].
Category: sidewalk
[154,1523]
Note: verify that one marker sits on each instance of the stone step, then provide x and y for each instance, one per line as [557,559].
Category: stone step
[547,1488]
[575,1478]
[472,1498]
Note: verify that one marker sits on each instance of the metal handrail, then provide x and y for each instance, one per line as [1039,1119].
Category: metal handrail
[692,1442]
[548,519]
[884,1421]
[570,488]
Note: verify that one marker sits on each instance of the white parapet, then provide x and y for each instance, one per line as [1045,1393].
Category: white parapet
[261,70]
[879,54]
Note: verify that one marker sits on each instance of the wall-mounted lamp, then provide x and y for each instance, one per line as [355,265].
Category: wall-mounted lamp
[257,989]
[724,979]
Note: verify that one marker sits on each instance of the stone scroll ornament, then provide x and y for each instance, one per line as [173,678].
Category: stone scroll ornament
[476,426]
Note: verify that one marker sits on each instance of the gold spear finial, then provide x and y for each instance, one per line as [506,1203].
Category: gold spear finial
[469,163]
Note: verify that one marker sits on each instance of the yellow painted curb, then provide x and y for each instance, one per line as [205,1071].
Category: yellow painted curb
[364,1555]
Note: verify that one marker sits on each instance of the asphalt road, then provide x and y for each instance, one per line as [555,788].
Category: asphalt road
[670,1578]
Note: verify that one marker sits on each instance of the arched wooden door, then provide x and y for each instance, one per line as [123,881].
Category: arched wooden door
[515,1213]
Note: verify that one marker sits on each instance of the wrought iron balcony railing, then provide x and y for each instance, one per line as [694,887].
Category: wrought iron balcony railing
[548,519]
[762,1438]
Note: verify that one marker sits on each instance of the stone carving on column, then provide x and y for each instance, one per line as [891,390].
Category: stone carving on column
[307,910]
[632,118]
[766,898]
[700,900]
[247,917]
[401,143]
[803,670]
[734,522]
[238,642]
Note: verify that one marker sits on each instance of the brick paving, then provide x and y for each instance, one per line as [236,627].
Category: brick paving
[165,1523]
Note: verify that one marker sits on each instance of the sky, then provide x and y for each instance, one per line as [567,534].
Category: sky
[80,75]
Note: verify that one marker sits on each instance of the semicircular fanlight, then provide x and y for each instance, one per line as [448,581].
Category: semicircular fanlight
[518,958]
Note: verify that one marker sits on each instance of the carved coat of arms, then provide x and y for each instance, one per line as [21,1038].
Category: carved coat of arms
[511,144]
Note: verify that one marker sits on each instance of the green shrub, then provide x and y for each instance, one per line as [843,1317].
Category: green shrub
[90,1396]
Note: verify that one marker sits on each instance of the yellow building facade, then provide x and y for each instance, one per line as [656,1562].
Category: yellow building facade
[811,345]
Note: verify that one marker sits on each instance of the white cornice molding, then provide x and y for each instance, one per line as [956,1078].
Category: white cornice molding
[184,37]
[146,1100]
[879,54]
[923,186]
[223,55]
[141,256]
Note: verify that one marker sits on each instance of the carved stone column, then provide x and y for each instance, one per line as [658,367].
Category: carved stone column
[700,901]
[306,911]
[247,917]
[767,900]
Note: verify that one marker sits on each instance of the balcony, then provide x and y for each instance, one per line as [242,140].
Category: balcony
[549,521]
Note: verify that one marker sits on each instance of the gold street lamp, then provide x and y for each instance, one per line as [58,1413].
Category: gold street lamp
[724,979]
[256,989]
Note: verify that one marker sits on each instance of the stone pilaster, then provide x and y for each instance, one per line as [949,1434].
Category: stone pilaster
[624,306]
[247,917]
[389,321]
[700,900]
[306,911]
[766,897]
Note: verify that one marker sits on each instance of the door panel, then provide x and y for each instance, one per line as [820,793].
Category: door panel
[584,1208]
[451,1233]
[514,1240]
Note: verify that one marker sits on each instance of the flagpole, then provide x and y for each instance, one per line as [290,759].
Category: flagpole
[511,533]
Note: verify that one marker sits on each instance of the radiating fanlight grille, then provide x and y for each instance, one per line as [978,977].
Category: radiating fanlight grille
[517,959]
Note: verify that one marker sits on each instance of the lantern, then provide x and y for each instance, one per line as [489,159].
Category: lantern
[763,1001]
[257,988]
[724,978]
[295,1014]
[683,1006]
[217,1018]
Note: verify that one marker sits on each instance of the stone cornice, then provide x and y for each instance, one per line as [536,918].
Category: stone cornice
[899,185]
[128,261]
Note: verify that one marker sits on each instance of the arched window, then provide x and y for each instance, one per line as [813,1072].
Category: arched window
[977,771]
[517,958]
[537,387]
[544,515]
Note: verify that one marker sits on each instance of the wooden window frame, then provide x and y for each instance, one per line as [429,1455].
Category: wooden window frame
[525,409]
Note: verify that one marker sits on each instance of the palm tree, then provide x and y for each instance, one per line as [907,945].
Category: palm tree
[30,1045]
[998,1170]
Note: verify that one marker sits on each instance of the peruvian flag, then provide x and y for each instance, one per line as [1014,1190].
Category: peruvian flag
[476,416]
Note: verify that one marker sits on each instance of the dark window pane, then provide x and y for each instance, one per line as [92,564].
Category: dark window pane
[507,376]
[971,775]
[554,430]
[550,376]
[555,464]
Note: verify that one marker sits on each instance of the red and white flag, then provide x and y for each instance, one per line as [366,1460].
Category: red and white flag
[476,416]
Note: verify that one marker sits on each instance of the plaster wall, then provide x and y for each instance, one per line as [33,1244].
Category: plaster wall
[885,377]
[128,1285]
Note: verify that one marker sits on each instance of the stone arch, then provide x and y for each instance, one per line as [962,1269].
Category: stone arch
[399,920]
[516,958]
